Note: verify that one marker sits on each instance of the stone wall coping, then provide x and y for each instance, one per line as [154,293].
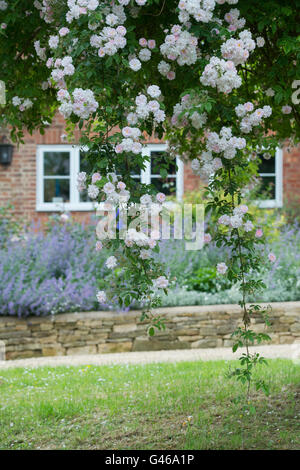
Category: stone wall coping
[287,307]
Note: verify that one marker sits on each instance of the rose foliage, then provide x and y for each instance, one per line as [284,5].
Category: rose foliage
[218,88]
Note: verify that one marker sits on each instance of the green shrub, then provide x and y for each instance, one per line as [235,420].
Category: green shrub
[9,225]
[206,280]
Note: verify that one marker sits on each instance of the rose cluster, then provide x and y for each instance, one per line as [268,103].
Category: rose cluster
[61,68]
[182,116]
[22,103]
[236,219]
[225,143]
[82,103]
[237,50]
[45,8]
[109,41]
[201,10]
[221,74]
[206,165]
[143,110]
[234,20]
[180,46]
[250,117]
[80,7]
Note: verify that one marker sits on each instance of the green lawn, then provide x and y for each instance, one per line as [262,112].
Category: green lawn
[189,405]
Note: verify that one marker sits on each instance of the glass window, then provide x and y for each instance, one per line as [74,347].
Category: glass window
[166,184]
[135,172]
[267,174]
[59,165]
[83,166]
[270,173]
[56,173]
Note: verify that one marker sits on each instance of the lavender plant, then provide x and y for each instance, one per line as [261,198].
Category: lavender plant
[50,273]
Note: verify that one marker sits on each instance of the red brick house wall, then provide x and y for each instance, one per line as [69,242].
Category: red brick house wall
[18,180]
[291,173]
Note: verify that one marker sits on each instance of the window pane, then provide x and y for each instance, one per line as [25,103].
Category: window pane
[267,188]
[83,196]
[266,166]
[84,166]
[135,172]
[56,163]
[166,185]
[157,160]
[57,190]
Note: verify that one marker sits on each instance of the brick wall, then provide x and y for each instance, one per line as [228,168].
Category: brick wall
[291,173]
[18,180]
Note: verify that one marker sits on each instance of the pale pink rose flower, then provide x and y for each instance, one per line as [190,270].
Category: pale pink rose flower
[248,106]
[171,75]
[248,226]
[143,42]
[145,254]
[49,62]
[151,43]
[286,109]
[64,217]
[161,282]
[161,197]
[272,257]
[121,185]
[99,245]
[111,262]
[224,219]
[121,30]
[259,233]
[152,243]
[232,27]
[228,17]
[118,148]
[185,98]
[207,238]
[221,268]
[63,31]
[96,177]
[101,297]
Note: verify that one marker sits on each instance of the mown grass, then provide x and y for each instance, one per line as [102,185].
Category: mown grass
[189,405]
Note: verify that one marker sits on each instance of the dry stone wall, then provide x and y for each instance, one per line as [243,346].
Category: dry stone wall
[106,332]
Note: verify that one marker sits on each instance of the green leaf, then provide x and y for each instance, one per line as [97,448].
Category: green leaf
[151,331]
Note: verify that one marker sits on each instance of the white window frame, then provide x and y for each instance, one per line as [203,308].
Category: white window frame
[278,201]
[75,204]
[146,174]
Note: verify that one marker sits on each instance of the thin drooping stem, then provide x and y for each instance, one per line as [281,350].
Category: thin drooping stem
[246,318]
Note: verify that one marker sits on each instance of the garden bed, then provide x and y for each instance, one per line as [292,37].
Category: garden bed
[105,332]
[58,270]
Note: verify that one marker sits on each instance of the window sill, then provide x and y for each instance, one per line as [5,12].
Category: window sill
[268,204]
[68,207]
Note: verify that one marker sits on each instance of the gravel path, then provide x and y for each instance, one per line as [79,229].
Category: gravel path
[288,351]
